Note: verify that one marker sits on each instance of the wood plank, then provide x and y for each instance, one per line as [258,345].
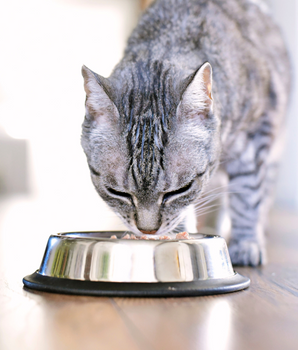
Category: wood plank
[265,316]
[43,321]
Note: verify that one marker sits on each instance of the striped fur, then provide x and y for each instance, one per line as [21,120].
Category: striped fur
[201,83]
[146,110]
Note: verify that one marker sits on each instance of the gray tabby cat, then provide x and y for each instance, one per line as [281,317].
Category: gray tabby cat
[202,83]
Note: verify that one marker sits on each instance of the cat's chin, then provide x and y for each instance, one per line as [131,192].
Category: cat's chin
[160,232]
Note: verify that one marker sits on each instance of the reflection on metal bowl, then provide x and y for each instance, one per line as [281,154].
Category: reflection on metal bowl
[76,262]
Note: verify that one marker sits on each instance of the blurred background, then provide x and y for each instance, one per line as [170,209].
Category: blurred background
[45,185]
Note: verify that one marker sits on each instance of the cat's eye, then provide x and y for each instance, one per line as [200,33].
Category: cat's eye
[93,171]
[177,192]
[119,194]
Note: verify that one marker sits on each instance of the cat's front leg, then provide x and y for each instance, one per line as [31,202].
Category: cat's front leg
[247,251]
[246,246]
[251,176]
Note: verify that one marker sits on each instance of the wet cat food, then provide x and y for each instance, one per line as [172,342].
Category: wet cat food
[180,235]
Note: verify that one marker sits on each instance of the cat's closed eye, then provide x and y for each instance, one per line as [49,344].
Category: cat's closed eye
[122,195]
[173,194]
[182,190]
[93,171]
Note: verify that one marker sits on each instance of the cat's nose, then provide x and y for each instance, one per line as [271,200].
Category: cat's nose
[148,232]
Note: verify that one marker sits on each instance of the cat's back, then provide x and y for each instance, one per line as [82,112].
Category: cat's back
[173,28]
[238,37]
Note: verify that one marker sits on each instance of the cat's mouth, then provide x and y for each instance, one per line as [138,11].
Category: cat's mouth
[140,232]
[166,228]
[148,232]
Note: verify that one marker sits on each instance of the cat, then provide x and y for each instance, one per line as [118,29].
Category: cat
[203,85]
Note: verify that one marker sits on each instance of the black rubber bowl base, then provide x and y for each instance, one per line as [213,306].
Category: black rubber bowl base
[124,289]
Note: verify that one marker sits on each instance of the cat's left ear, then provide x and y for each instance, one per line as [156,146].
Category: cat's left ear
[197,96]
[99,106]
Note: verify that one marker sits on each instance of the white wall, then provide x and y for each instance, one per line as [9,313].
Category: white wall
[43,46]
[285,13]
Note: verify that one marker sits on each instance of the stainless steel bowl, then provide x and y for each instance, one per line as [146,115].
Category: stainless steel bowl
[92,263]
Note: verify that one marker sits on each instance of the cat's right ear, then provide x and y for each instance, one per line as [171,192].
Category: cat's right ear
[99,106]
[197,95]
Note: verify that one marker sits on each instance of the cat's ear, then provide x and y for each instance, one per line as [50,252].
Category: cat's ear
[197,96]
[99,106]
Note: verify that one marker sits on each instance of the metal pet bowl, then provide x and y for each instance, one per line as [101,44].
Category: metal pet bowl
[91,263]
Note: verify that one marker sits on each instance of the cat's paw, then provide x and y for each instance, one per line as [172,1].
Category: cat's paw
[247,253]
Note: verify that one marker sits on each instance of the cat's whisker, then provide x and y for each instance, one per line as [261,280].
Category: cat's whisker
[210,198]
[206,205]
[214,197]
[204,212]
[173,224]
[208,212]
[199,209]
[215,189]
[227,187]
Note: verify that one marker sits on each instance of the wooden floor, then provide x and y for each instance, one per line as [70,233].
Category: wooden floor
[265,316]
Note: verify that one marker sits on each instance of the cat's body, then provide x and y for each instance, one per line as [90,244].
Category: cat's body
[157,129]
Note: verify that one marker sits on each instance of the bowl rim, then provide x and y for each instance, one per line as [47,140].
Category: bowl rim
[80,235]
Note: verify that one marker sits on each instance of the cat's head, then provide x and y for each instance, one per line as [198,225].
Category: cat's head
[151,143]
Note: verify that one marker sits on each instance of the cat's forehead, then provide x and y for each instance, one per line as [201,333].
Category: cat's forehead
[146,110]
